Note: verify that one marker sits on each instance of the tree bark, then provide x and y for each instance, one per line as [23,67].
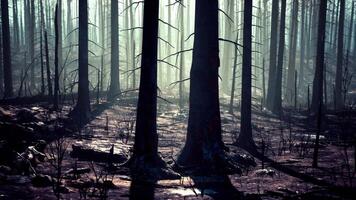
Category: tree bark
[8,88]
[245,137]
[146,138]
[277,106]
[273,55]
[82,108]
[340,58]
[290,89]
[204,146]
[114,90]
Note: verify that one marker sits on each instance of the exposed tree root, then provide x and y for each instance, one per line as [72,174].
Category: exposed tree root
[222,163]
[149,168]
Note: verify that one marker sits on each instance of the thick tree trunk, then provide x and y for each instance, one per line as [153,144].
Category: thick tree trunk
[277,105]
[82,109]
[8,91]
[204,145]
[146,138]
[340,58]
[273,55]
[245,137]
[114,73]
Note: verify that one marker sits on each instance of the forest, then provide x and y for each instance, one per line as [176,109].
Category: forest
[178,99]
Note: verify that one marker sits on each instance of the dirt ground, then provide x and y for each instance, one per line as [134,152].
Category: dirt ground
[289,142]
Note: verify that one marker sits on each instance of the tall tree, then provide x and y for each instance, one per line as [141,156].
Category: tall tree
[318,76]
[8,89]
[227,53]
[204,146]
[340,58]
[56,56]
[82,108]
[290,89]
[114,90]
[277,105]
[273,55]
[145,150]
[245,137]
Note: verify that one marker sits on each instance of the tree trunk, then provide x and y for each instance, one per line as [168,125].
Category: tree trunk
[292,54]
[114,74]
[82,109]
[56,55]
[227,53]
[8,91]
[41,49]
[32,27]
[318,79]
[273,55]
[146,138]
[204,145]
[303,26]
[277,107]
[181,62]
[317,95]
[340,58]
[16,32]
[245,137]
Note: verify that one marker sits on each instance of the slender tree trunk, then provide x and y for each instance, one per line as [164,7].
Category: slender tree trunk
[41,49]
[32,42]
[1,68]
[56,56]
[181,62]
[277,107]
[273,55]
[132,45]
[318,79]
[245,137]
[232,96]
[303,26]
[292,54]
[115,77]
[227,53]
[340,58]
[82,109]
[16,25]
[8,92]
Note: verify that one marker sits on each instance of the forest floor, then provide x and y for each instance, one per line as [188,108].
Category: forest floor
[289,142]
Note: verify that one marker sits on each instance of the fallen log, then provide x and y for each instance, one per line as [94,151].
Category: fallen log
[86,154]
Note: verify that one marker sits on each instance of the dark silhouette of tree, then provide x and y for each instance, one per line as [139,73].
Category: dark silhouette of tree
[8,89]
[245,139]
[145,151]
[204,146]
[114,90]
[339,100]
[273,55]
[277,100]
[290,89]
[318,77]
[56,67]
[82,108]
